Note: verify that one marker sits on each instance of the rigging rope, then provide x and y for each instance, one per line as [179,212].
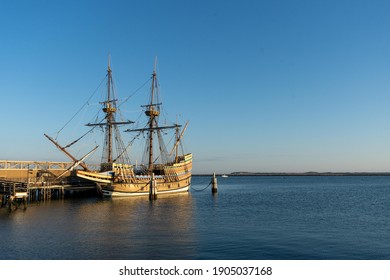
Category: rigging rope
[82,107]
[125,149]
[82,136]
[93,93]
[138,89]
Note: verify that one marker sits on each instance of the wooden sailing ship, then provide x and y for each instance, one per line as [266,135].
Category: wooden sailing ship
[161,171]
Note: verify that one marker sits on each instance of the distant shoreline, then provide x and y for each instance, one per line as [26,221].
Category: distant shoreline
[299,174]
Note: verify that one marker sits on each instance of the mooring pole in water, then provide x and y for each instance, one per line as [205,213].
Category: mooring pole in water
[25,202]
[214,184]
[11,202]
[153,188]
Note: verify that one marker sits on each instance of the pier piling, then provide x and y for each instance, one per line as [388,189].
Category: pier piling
[14,194]
[214,184]
[153,188]
[3,199]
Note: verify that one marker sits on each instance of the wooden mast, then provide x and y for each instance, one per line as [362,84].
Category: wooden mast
[66,152]
[177,140]
[152,111]
[152,114]
[110,123]
[109,110]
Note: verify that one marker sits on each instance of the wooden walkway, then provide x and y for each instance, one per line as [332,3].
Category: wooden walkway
[13,193]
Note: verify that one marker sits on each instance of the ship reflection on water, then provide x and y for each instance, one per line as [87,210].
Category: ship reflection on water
[121,228]
[250,218]
[162,229]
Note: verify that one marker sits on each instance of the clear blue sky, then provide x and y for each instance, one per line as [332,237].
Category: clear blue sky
[268,85]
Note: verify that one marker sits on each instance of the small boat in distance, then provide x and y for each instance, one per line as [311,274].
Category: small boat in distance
[224,176]
[166,171]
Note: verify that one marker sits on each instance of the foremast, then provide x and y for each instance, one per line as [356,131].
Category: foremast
[110,109]
[111,125]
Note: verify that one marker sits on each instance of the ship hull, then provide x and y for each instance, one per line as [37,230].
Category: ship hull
[121,181]
[111,192]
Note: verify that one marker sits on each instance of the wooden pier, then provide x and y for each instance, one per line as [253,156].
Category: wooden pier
[27,181]
[13,193]
[36,171]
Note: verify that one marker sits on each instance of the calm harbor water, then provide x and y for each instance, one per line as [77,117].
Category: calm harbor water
[250,218]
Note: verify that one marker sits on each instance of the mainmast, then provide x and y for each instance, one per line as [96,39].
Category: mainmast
[152,113]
